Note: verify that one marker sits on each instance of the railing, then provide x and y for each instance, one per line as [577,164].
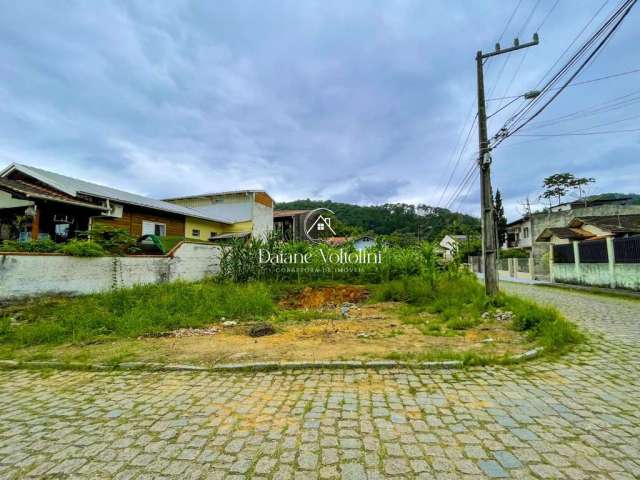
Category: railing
[522,265]
[593,251]
[563,254]
[627,250]
[612,263]
[503,264]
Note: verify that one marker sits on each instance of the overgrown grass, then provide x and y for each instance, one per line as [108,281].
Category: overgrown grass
[439,305]
[135,311]
[459,302]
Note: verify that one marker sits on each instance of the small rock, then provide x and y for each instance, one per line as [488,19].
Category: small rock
[487,340]
[261,330]
[503,316]
[485,315]
[229,323]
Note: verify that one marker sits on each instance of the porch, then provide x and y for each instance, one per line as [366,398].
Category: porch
[29,212]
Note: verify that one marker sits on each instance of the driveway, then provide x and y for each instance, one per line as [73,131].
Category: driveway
[577,417]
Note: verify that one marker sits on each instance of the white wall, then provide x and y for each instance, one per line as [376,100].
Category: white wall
[33,275]
[262,220]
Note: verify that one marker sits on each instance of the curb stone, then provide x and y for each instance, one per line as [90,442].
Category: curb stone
[255,366]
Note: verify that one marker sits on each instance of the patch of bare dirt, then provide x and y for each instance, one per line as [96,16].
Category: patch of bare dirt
[320,298]
[370,331]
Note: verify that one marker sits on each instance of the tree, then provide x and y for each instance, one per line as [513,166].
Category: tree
[557,186]
[560,184]
[580,184]
[501,220]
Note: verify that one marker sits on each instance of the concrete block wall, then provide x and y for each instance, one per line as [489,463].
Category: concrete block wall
[24,275]
[609,275]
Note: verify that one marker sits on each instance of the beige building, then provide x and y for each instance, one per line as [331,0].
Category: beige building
[246,213]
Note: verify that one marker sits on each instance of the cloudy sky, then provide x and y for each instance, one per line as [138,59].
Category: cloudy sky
[359,101]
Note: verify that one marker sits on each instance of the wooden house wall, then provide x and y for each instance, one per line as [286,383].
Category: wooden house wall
[132,218]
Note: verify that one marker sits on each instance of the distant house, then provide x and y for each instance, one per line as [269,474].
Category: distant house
[364,242]
[519,234]
[528,232]
[592,228]
[288,225]
[336,241]
[37,204]
[450,245]
[586,202]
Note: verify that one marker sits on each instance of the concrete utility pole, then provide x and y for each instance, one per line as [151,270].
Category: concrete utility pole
[488,220]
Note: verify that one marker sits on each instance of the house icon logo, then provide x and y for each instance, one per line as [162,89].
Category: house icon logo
[317,225]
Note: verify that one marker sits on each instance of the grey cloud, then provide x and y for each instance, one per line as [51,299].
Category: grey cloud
[300,98]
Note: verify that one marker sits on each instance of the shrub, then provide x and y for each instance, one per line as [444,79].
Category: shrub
[513,253]
[36,246]
[116,241]
[82,248]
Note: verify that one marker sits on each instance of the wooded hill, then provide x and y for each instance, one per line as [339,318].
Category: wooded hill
[397,219]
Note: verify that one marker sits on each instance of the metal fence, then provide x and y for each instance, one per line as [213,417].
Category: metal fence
[522,265]
[593,251]
[503,264]
[627,250]
[563,254]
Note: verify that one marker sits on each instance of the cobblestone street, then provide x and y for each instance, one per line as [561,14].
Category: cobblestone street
[577,417]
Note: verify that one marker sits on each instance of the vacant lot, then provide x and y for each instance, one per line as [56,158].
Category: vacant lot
[208,323]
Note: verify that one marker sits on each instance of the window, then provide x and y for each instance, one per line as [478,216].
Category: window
[153,228]
[195,232]
[526,232]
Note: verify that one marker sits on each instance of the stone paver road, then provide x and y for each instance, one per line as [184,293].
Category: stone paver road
[578,417]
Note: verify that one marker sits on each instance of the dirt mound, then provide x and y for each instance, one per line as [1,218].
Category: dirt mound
[314,298]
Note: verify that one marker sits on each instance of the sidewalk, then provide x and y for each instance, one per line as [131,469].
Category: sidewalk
[569,286]
[518,280]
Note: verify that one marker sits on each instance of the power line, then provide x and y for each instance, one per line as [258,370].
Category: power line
[465,184]
[604,107]
[462,150]
[567,134]
[455,167]
[524,56]
[506,60]
[574,84]
[616,25]
[463,197]
[549,85]
[575,39]
[610,26]
[546,17]
[502,108]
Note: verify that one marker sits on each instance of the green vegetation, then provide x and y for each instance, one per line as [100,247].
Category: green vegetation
[102,240]
[403,223]
[514,253]
[33,246]
[133,312]
[114,241]
[460,301]
[82,248]
[303,262]
[438,301]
